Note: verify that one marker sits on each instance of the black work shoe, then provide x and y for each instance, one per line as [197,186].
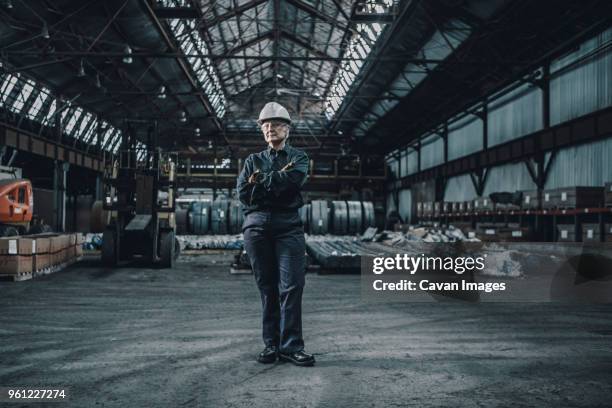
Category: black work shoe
[268,355]
[299,358]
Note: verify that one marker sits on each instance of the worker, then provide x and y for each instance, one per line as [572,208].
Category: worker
[269,188]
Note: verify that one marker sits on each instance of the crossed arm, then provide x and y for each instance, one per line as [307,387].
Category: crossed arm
[254,185]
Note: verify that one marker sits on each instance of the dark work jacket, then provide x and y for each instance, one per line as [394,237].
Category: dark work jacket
[275,190]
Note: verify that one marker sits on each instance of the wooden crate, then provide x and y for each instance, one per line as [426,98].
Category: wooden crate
[591,233]
[530,200]
[581,197]
[483,204]
[17,246]
[566,233]
[16,264]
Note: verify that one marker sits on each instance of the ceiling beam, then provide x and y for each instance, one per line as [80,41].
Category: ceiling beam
[234,12]
[182,64]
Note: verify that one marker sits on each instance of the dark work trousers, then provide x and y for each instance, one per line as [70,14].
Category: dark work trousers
[275,244]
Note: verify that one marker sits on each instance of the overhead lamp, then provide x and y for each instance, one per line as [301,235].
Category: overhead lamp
[44,32]
[279,76]
[98,83]
[127,58]
[196,132]
[81,72]
[183,117]
[161,93]
[9,4]
[340,132]
[210,144]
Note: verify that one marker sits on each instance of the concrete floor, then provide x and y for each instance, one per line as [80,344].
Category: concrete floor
[133,337]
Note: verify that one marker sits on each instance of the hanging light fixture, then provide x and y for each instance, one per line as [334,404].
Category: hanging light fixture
[127,58]
[210,144]
[81,72]
[44,32]
[9,4]
[196,132]
[183,117]
[161,93]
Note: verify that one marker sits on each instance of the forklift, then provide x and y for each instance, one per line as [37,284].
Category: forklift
[139,186]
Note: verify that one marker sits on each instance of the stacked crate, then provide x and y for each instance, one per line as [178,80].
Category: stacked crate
[17,258]
[437,208]
[447,207]
[573,197]
[483,204]
[591,233]
[42,258]
[566,233]
[530,200]
[428,209]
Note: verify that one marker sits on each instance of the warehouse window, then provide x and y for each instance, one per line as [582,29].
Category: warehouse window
[72,121]
[23,96]
[88,136]
[50,113]
[7,86]
[186,34]
[34,110]
[82,126]
[359,47]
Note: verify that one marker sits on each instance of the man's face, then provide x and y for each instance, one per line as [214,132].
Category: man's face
[274,131]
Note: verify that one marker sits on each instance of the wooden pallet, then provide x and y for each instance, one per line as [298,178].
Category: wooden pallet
[17,277]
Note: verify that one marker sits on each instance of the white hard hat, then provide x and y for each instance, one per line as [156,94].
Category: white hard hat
[274,111]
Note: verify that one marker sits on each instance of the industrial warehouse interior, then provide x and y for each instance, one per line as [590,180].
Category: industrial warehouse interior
[305,203]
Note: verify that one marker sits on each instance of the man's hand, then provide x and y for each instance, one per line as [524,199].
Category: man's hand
[253,177]
[288,166]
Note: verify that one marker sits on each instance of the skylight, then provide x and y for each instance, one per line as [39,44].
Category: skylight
[359,47]
[190,42]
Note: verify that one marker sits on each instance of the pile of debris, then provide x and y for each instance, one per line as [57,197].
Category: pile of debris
[196,242]
[427,234]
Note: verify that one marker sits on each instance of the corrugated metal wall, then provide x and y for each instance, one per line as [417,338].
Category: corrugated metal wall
[405,205]
[515,114]
[510,177]
[586,86]
[464,137]
[432,152]
[459,188]
[585,165]
[413,162]
[391,206]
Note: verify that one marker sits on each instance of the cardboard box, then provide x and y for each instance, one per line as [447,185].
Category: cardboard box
[17,246]
[42,261]
[43,244]
[15,264]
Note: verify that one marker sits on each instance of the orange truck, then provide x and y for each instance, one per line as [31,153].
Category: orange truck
[16,207]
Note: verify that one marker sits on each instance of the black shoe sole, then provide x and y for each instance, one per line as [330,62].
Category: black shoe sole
[308,363]
[267,360]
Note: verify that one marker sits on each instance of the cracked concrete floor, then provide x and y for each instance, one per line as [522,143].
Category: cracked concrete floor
[132,336]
